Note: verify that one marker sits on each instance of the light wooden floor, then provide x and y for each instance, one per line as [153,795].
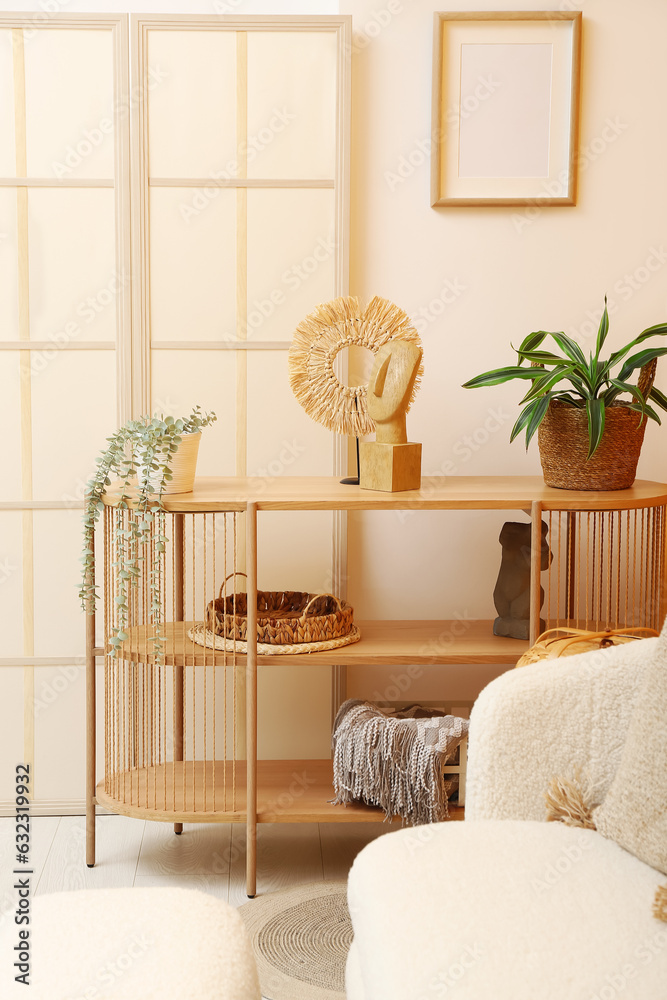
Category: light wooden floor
[207,856]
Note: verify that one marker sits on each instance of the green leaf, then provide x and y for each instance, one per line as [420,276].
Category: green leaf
[572,349]
[640,359]
[531,417]
[617,388]
[603,330]
[547,381]
[595,410]
[658,397]
[540,357]
[539,411]
[658,330]
[498,376]
[583,390]
[522,420]
[646,411]
[532,341]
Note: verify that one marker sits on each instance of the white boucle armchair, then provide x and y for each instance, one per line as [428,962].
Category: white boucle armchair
[506,906]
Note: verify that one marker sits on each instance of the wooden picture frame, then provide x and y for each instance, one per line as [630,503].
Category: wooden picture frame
[505,110]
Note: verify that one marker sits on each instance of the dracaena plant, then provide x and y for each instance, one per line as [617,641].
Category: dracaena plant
[139,454]
[589,384]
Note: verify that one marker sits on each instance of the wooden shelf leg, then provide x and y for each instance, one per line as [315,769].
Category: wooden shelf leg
[535,569]
[90,726]
[251,702]
[179,612]
[571,576]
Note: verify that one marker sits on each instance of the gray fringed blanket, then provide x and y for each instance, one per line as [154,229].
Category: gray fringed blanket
[395,763]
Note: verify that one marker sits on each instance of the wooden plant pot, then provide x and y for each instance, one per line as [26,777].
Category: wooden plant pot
[183,466]
[563,442]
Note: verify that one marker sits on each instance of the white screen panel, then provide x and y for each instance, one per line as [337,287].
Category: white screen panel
[7,145]
[59,710]
[69,103]
[292,104]
[192,103]
[193,264]
[282,439]
[9,303]
[73,411]
[291,258]
[59,621]
[180,380]
[11,753]
[74,283]
[11,587]
[10,408]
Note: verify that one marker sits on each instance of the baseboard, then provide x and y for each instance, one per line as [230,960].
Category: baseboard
[51,807]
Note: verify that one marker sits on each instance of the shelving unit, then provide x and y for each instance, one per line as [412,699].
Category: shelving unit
[181,730]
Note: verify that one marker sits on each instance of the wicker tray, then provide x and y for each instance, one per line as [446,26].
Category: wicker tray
[204,637]
[566,641]
[284,617]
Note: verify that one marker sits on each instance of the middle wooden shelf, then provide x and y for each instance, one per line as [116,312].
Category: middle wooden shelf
[391,642]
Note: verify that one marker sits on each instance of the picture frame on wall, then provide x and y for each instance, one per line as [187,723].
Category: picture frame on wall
[505,110]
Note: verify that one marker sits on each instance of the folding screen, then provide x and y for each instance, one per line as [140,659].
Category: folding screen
[241,230]
[240,201]
[64,363]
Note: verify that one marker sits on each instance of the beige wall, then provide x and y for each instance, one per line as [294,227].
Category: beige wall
[502,273]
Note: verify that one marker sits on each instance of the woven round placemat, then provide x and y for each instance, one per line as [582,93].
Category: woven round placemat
[301,938]
[204,637]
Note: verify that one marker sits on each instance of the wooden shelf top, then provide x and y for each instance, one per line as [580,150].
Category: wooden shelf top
[436,493]
[390,642]
[288,791]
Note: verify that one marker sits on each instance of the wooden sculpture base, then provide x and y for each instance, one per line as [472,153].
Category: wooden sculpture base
[389,467]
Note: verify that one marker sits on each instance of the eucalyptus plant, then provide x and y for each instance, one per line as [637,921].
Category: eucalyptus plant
[139,455]
[591,383]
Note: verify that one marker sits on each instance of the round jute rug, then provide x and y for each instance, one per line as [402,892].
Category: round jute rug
[301,937]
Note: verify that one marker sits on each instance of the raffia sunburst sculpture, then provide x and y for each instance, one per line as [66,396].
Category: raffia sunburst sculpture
[321,336]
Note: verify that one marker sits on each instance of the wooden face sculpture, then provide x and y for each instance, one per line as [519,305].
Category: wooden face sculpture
[390,389]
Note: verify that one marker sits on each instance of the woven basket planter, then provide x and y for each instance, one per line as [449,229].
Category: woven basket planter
[284,617]
[563,441]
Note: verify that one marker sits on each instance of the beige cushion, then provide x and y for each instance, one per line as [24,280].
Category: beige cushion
[503,911]
[132,944]
[634,811]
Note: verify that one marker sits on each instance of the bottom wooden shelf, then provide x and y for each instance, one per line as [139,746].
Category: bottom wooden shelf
[289,791]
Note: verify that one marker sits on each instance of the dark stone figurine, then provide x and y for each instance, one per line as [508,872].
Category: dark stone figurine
[512,593]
